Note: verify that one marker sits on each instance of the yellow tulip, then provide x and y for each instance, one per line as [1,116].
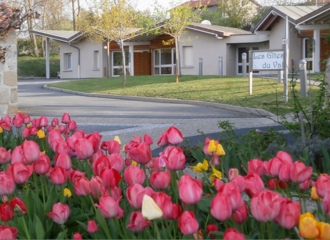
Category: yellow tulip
[123,150]
[150,209]
[215,174]
[41,134]
[324,229]
[134,163]
[212,146]
[67,193]
[1,130]
[28,125]
[44,152]
[200,167]
[308,226]
[314,195]
[220,151]
[117,139]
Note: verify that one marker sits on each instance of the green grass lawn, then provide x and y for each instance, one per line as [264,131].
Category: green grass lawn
[36,66]
[229,90]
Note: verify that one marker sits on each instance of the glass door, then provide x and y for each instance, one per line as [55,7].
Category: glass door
[240,51]
[164,61]
[308,54]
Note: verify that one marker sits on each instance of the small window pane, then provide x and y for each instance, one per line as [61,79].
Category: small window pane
[188,56]
[308,48]
[166,56]
[309,65]
[117,59]
[166,70]
[240,52]
[157,57]
[96,59]
[69,61]
[156,72]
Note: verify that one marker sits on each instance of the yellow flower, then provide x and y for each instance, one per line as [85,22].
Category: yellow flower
[324,229]
[57,127]
[123,150]
[41,134]
[150,209]
[28,125]
[67,193]
[134,163]
[215,174]
[220,151]
[314,195]
[1,130]
[212,146]
[44,152]
[200,167]
[117,139]
[308,226]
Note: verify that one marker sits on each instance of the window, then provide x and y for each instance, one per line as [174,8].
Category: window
[117,63]
[308,53]
[240,51]
[67,61]
[96,60]
[164,61]
[188,56]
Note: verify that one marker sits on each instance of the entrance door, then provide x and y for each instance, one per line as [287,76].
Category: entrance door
[142,63]
[240,51]
[164,61]
[308,53]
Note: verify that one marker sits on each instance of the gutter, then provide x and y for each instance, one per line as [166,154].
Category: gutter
[214,34]
[78,58]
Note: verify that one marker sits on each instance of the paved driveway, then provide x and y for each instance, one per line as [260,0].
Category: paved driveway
[127,118]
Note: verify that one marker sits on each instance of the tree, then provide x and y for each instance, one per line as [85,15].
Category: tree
[112,21]
[174,22]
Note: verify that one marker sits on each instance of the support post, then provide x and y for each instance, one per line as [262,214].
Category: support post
[47,59]
[317,53]
[220,62]
[303,77]
[279,76]
[286,59]
[200,66]
[131,59]
[244,64]
[250,82]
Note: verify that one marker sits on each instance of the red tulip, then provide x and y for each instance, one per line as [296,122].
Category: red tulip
[74,175]
[147,139]
[284,156]
[217,183]
[174,136]
[43,121]
[305,185]
[137,222]
[272,184]
[5,156]
[82,187]
[20,172]
[188,223]
[33,130]
[130,145]
[163,141]
[265,205]
[189,190]
[241,214]
[100,164]
[135,194]
[273,166]
[77,135]
[109,207]
[77,236]
[174,158]
[322,185]
[239,183]
[84,148]
[221,207]
[289,214]
[212,228]
[96,156]
[134,174]
[282,184]
[18,120]
[59,146]
[66,118]
[234,195]
[26,133]
[92,227]
[116,161]
[31,151]
[54,122]
[18,206]
[160,180]
[164,202]
[254,184]
[6,125]
[72,126]
[6,212]
[232,233]
[7,185]
[113,147]
[63,160]
[8,232]
[58,175]
[115,193]
[299,173]
[256,166]
[140,154]
[53,136]
[17,155]
[94,139]
[60,213]
[233,172]
[284,172]
[176,211]
[97,187]
[26,119]
[110,177]
[42,165]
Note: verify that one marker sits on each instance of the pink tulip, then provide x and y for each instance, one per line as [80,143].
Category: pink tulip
[31,151]
[77,236]
[97,187]
[26,119]
[233,172]
[134,174]
[256,166]
[110,177]
[77,135]
[26,133]
[221,207]
[116,162]
[7,185]
[176,211]
[74,175]
[322,185]
[60,213]
[254,184]
[232,233]
[299,173]
[188,223]
[273,166]
[265,205]
[163,141]
[84,148]
[284,172]
[6,126]
[174,158]
[137,222]
[284,156]
[8,232]
[164,202]
[234,195]
[42,165]
[59,146]
[305,185]
[113,147]
[174,136]
[33,130]
[54,122]
[82,187]
[130,145]
[326,203]
[72,126]
[58,175]
[140,154]
[147,139]
[18,120]
[92,227]
[109,207]
[66,118]
[5,156]
[63,160]
[115,193]
[135,195]
[217,183]
[241,214]
[53,136]
[160,180]
[17,155]
[289,214]
[96,156]
[239,183]
[189,190]
[43,121]
[100,164]
[20,172]
[94,139]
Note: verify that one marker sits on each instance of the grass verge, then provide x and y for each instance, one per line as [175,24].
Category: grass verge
[36,66]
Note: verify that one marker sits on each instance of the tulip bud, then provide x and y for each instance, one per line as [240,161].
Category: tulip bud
[67,193]
[77,236]
[212,146]
[220,151]
[4,199]
[314,195]
[117,139]
[92,227]
[41,134]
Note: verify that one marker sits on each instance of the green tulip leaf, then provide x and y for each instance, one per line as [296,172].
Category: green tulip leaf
[39,228]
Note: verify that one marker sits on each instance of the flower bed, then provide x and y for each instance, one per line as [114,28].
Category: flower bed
[58,182]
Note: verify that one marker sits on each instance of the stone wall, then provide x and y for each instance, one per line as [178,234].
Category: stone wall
[8,74]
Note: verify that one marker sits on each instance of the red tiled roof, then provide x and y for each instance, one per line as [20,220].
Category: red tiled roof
[210,3]
[5,14]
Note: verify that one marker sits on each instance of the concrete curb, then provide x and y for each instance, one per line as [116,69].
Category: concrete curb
[244,110]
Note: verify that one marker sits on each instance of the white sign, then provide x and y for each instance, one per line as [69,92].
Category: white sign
[264,61]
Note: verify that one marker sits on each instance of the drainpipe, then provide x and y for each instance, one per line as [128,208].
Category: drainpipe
[78,58]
